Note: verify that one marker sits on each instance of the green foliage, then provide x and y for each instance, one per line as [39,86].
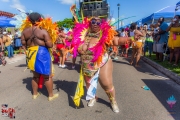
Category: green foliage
[67,23]
[165,64]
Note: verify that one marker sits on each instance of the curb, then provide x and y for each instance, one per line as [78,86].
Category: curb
[163,70]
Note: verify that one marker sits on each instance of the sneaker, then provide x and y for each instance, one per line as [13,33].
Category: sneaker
[60,66]
[114,107]
[116,58]
[53,97]
[64,66]
[92,102]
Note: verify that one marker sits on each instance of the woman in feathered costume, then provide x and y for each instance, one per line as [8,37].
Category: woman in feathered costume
[91,40]
[38,36]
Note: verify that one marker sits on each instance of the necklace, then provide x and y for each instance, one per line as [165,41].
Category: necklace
[94,35]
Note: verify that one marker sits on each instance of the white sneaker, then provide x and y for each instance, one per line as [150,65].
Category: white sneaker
[116,58]
[114,107]
[60,66]
[92,102]
[64,66]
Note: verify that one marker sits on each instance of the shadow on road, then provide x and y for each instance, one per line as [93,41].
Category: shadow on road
[69,87]
[69,66]
[22,65]
[28,80]
[163,91]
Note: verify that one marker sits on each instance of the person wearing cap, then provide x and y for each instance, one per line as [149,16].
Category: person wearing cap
[7,42]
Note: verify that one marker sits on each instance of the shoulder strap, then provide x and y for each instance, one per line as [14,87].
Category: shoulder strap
[32,36]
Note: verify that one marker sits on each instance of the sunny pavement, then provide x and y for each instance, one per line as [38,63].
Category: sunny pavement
[134,102]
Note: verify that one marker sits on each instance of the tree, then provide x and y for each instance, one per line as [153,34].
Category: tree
[67,23]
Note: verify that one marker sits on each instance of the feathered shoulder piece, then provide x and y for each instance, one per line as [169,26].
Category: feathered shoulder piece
[107,35]
[79,33]
[46,24]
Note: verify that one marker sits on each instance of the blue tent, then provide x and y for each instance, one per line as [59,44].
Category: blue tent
[177,6]
[167,12]
[5,22]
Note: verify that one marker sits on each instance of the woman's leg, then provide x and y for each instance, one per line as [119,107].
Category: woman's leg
[87,81]
[176,50]
[171,54]
[127,51]
[34,82]
[48,83]
[60,58]
[122,53]
[133,55]
[139,50]
[73,62]
[106,82]
[63,57]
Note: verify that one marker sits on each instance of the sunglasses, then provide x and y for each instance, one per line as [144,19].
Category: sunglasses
[94,21]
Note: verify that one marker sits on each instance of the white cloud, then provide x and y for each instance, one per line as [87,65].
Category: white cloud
[5,0]
[67,1]
[17,4]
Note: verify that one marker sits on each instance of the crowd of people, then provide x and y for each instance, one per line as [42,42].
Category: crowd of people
[159,38]
[95,41]
[8,44]
[90,40]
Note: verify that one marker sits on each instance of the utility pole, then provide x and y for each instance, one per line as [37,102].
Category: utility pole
[118,14]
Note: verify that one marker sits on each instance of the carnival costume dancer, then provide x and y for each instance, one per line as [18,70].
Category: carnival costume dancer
[61,48]
[91,39]
[38,37]
[136,45]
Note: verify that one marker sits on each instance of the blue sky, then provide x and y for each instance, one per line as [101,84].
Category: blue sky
[59,9]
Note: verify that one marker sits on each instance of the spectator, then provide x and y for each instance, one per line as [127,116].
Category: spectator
[2,58]
[163,39]
[174,39]
[149,41]
[7,40]
[18,44]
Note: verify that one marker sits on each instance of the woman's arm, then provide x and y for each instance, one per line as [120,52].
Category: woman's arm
[2,44]
[117,41]
[169,27]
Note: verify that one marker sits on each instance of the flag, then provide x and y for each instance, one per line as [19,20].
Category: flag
[39,60]
[79,90]
[91,93]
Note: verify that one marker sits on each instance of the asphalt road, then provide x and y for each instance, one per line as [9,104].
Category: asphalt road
[134,102]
